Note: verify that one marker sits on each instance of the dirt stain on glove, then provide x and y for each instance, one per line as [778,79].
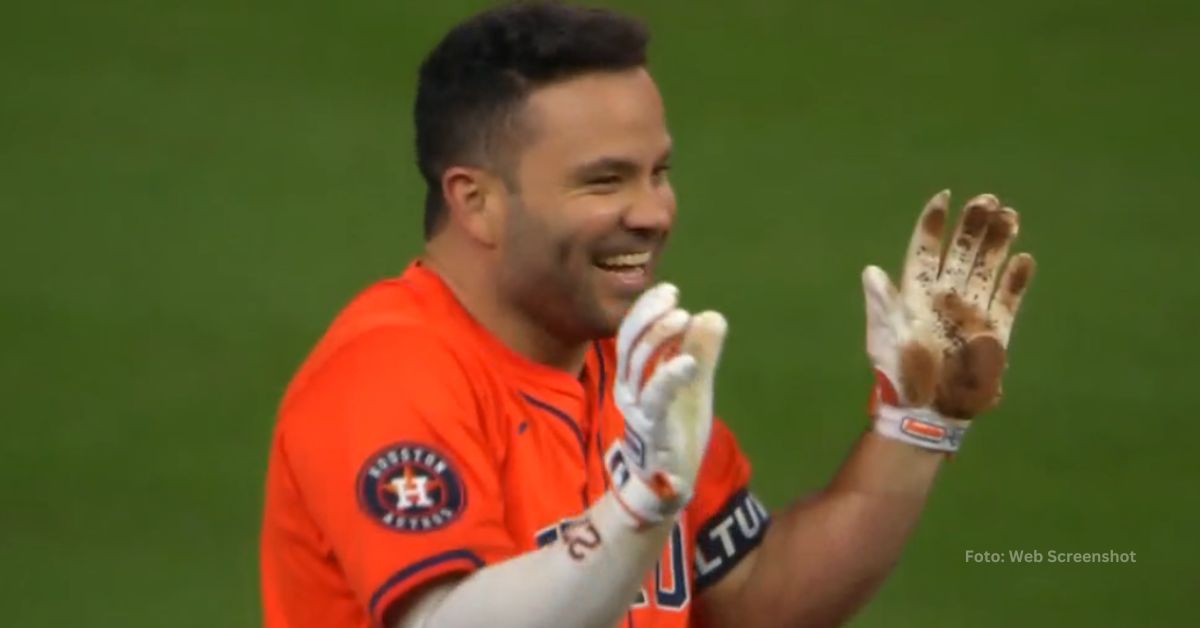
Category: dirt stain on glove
[973,361]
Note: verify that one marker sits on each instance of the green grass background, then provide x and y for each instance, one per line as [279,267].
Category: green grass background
[190,190]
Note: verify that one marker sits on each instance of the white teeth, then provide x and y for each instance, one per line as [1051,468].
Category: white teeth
[628,259]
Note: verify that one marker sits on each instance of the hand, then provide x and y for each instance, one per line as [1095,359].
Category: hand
[664,388]
[939,344]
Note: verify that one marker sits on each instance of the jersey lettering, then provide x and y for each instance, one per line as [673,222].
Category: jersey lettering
[671,589]
[728,536]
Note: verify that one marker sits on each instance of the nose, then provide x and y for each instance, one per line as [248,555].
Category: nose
[652,211]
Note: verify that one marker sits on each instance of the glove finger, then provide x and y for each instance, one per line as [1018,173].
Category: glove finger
[648,347]
[1006,303]
[1001,232]
[964,244]
[882,299]
[653,303]
[925,248]
[887,328]
[704,339]
[664,385]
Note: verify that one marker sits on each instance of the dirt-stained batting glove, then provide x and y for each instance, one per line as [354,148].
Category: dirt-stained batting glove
[666,362]
[939,343]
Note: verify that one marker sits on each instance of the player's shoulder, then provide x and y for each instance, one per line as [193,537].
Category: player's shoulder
[397,360]
[416,302]
[389,382]
[396,334]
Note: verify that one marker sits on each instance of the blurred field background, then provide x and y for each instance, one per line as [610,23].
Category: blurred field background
[190,190]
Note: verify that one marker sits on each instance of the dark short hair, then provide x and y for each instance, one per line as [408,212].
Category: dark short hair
[479,75]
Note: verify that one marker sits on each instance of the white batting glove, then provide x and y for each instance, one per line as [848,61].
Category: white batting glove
[664,388]
[939,344]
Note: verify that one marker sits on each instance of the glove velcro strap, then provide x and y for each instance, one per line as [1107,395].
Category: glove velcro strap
[647,505]
[922,427]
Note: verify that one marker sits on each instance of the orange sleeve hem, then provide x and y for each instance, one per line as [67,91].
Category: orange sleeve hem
[418,573]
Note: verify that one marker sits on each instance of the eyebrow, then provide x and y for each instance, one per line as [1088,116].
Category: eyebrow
[604,165]
[616,165]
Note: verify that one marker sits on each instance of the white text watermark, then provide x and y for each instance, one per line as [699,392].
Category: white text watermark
[1048,556]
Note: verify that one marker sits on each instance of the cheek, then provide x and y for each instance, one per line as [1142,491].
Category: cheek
[543,246]
[597,218]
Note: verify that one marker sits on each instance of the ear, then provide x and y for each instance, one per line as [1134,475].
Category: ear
[477,201]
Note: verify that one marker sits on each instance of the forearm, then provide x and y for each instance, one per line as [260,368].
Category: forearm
[824,556]
[586,579]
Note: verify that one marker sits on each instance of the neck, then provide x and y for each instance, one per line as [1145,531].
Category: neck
[479,295]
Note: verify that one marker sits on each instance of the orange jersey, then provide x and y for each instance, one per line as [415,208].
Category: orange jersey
[413,444]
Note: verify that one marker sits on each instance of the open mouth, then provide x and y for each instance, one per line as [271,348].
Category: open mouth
[625,263]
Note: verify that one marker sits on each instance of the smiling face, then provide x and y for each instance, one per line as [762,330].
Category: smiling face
[591,206]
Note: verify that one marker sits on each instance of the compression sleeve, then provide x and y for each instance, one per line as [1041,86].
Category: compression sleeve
[587,579]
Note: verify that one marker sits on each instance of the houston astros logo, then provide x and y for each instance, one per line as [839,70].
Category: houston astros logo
[410,487]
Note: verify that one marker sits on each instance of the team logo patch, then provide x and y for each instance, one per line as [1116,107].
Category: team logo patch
[411,487]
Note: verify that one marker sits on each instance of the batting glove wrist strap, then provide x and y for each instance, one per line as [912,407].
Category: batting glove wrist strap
[648,505]
[922,427]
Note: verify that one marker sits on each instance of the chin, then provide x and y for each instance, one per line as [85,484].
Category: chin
[605,305]
[609,314]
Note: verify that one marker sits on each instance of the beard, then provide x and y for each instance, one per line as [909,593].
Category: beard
[550,278]
[564,309]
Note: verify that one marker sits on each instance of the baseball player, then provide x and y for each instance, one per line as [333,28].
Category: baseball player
[518,431]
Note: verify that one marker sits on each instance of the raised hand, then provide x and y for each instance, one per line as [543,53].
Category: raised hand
[939,343]
[666,362]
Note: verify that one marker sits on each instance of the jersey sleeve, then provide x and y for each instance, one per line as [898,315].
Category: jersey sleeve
[728,521]
[388,446]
